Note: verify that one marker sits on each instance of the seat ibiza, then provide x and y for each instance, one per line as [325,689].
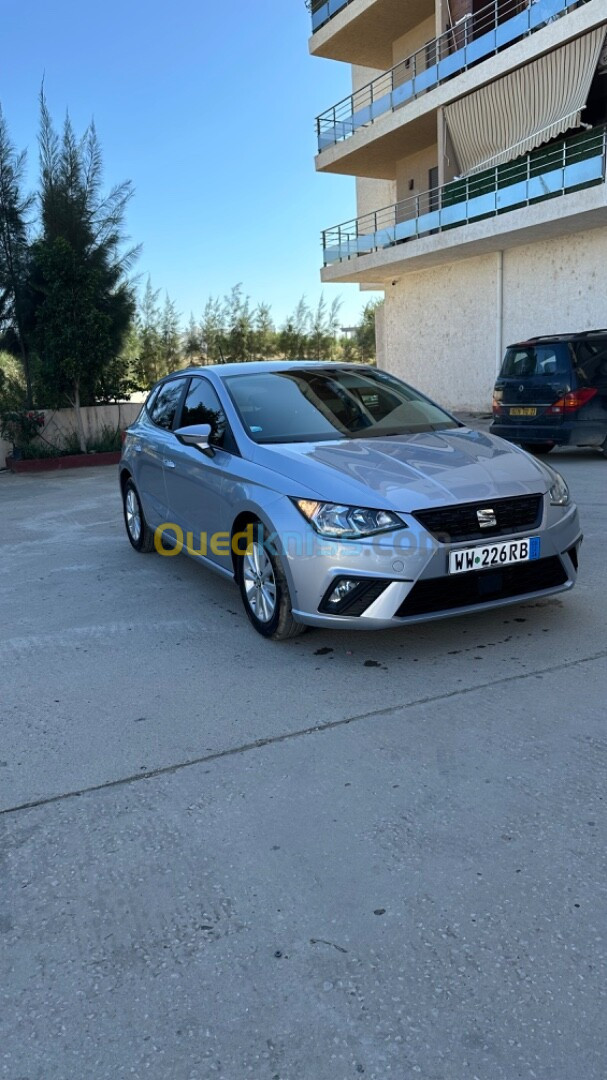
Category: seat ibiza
[336,495]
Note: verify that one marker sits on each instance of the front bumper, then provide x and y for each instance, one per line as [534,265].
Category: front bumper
[408,574]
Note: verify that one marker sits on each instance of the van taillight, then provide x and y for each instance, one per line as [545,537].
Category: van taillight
[497,407]
[573,401]
[123,436]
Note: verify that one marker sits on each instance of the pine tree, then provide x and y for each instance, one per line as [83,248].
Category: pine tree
[149,361]
[170,336]
[84,303]
[15,210]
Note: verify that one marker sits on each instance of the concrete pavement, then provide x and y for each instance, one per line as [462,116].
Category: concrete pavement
[349,854]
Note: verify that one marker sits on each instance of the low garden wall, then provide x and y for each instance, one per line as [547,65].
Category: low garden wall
[60,424]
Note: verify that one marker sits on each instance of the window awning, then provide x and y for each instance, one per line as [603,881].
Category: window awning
[529,107]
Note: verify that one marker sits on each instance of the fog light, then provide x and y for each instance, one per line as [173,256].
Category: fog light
[341,590]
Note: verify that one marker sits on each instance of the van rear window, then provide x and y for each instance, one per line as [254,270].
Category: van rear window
[526,361]
[591,363]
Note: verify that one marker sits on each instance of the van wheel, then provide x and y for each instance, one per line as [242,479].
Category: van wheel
[538,448]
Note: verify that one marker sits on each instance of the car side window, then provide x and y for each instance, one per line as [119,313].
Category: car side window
[202,406]
[165,403]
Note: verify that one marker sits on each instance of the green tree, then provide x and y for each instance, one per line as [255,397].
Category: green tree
[238,326]
[84,301]
[264,333]
[192,346]
[211,332]
[15,221]
[293,340]
[333,322]
[365,332]
[324,325]
[170,336]
[148,365]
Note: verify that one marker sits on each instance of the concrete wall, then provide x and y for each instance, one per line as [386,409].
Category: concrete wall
[60,423]
[415,39]
[439,328]
[416,168]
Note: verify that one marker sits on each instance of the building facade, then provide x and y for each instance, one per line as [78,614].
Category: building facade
[477,136]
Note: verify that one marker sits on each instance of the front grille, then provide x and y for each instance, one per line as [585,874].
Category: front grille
[453,523]
[482,587]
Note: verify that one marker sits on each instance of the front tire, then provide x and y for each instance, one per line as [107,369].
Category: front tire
[137,529]
[540,449]
[265,591]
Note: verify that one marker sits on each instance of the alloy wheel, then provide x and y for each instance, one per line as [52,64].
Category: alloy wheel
[259,582]
[133,515]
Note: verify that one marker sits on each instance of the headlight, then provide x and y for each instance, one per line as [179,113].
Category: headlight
[559,492]
[347,522]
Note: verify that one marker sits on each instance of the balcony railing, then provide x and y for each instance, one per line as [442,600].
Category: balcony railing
[323,10]
[472,39]
[557,169]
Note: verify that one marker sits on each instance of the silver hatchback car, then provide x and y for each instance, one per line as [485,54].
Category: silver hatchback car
[336,495]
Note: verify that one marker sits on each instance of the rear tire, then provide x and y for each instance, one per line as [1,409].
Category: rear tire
[265,591]
[137,528]
[538,448]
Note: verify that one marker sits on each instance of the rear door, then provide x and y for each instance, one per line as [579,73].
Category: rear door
[532,379]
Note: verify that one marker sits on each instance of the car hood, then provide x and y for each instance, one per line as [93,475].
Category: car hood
[408,472]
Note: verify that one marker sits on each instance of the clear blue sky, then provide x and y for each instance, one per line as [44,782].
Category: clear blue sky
[208,107]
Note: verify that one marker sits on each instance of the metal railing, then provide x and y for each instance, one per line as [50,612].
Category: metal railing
[470,40]
[576,162]
[324,10]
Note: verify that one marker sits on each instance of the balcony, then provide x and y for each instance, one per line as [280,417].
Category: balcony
[363,31]
[473,39]
[431,225]
[324,10]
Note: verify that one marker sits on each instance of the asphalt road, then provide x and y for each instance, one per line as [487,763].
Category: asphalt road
[377,855]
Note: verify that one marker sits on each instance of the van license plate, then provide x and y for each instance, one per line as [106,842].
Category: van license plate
[481,558]
[523,412]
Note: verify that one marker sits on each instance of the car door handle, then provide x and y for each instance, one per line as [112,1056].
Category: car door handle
[169,464]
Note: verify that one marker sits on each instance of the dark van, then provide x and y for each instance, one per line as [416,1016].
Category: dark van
[552,391]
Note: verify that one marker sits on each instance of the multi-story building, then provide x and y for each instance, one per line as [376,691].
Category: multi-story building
[477,137]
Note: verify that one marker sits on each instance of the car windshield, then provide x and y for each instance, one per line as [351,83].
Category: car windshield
[315,404]
[524,361]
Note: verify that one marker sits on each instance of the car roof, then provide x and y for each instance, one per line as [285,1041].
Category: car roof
[252,367]
[556,338]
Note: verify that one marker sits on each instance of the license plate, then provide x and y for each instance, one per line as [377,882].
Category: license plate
[523,412]
[491,555]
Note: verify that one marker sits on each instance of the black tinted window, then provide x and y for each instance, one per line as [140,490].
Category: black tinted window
[306,405]
[591,363]
[164,404]
[202,406]
[527,361]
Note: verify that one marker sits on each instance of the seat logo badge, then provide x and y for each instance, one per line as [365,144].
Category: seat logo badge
[521,388]
[486,518]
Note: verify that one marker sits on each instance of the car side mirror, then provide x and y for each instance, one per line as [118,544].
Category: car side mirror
[197,435]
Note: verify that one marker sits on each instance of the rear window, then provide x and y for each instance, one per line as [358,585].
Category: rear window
[591,363]
[527,361]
